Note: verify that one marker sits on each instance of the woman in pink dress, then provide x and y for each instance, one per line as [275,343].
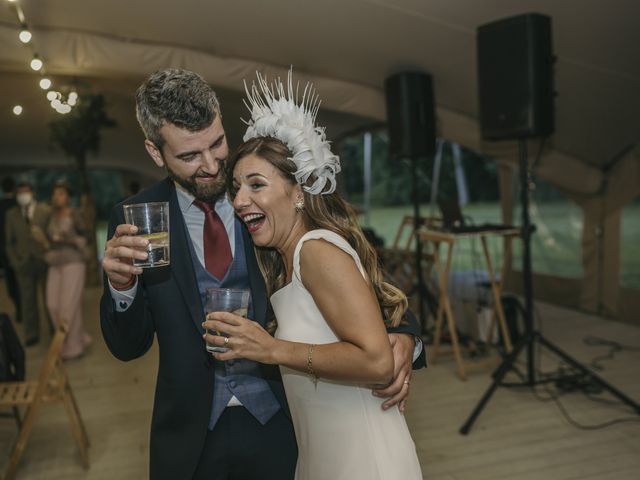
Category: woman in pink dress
[66,276]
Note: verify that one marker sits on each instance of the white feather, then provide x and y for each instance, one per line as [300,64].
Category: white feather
[276,113]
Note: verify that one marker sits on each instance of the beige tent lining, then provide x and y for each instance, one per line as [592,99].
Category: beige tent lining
[600,194]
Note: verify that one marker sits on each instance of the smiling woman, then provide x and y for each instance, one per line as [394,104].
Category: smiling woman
[263,200]
[327,294]
[278,211]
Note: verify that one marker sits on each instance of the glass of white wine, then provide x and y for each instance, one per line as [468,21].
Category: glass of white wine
[152,220]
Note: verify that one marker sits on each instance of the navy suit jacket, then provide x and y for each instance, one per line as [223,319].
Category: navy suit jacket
[167,305]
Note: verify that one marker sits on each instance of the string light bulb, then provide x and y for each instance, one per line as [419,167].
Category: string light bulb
[72,98]
[24,35]
[36,63]
[58,101]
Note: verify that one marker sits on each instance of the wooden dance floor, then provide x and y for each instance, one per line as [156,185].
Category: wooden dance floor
[516,437]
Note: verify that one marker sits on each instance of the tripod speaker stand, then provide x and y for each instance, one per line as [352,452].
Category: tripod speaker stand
[532,336]
[420,289]
[412,133]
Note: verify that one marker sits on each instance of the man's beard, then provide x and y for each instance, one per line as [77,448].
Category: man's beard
[210,192]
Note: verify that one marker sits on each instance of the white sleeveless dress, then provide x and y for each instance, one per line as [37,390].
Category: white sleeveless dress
[341,429]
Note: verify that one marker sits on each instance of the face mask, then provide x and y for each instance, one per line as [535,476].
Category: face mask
[24,198]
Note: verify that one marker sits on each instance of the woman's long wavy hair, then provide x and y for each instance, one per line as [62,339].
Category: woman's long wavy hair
[328,212]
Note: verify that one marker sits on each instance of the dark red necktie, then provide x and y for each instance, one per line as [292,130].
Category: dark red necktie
[217,252]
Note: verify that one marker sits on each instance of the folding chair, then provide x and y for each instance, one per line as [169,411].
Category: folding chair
[12,359]
[52,386]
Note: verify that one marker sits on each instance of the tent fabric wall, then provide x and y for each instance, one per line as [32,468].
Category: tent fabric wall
[601,197]
[600,192]
[601,259]
[106,56]
[602,234]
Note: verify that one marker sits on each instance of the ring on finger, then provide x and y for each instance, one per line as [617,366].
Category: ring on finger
[407,382]
[226,341]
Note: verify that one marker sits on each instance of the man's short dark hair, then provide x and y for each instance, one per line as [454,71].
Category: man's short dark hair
[180,97]
[64,185]
[24,183]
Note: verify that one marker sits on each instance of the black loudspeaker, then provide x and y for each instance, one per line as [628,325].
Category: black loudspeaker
[515,77]
[410,115]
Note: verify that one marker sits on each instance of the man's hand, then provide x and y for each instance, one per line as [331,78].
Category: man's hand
[119,253]
[397,391]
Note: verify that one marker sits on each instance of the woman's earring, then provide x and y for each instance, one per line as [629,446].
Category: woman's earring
[299,205]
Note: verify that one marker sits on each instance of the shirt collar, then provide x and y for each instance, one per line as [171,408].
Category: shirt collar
[185,201]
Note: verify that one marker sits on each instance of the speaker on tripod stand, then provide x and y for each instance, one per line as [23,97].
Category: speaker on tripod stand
[412,136]
[515,79]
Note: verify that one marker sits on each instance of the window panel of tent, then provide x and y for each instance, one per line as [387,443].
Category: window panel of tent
[630,246]
[556,244]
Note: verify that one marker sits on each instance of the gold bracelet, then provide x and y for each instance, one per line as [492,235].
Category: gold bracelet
[312,373]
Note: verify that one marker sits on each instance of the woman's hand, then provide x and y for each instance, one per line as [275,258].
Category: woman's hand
[246,338]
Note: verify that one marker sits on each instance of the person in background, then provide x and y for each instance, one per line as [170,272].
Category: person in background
[7,201]
[67,268]
[26,243]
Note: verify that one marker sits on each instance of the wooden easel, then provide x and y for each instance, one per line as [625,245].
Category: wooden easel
[399,259]
[447,240]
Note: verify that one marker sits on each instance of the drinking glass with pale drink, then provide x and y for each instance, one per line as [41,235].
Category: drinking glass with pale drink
[225,300]
[152,220]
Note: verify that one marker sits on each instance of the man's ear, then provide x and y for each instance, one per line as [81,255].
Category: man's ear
[154,153]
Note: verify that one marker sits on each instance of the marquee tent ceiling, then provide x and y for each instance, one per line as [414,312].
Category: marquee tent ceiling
[347,47]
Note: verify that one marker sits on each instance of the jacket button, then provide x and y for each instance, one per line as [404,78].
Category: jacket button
[232,384]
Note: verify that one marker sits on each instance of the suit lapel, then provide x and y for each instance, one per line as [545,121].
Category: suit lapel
[182,264]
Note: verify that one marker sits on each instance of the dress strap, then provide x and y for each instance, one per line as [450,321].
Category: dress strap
[330,237]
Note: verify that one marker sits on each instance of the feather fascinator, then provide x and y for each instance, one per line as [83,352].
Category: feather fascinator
[277,112]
